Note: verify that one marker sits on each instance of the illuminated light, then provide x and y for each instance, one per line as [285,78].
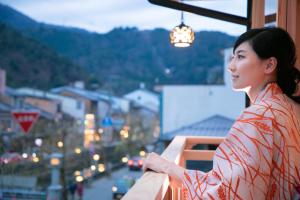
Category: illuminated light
[130,162]
[122,132]
[77,150]
[77,173]
[182,35]
[93,167]
[38,142]
[79,178]
[114,188]
[124,159]
[35,159]
[97,137]
[142,153]
[100,130]
[25,155]
[60,144]
[89,116]
[101,168]
[126,135]
[33,154]
[96,157]
[140,162]
[89,132]
[54,161]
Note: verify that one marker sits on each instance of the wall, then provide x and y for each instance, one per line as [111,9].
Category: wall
[185,105]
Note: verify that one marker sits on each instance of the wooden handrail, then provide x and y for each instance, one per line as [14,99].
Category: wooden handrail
[156,186]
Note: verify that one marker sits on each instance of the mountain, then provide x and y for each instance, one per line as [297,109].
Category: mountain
[122,58]
[28,63]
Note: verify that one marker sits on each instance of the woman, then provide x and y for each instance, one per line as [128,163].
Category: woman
[260,157]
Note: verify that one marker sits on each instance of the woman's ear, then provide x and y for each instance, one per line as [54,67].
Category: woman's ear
[271,64]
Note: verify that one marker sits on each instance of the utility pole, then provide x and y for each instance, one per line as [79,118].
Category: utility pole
[63,177]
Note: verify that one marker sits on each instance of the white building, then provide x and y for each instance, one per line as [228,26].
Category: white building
[144,98]
[185,105]
[69,105]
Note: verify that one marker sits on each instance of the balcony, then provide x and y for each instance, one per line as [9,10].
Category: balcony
[156,186]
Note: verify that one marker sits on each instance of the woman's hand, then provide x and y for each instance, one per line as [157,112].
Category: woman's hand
[161,165]
[156,163]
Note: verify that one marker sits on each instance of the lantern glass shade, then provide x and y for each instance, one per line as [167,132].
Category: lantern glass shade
[182,36]
[54,161]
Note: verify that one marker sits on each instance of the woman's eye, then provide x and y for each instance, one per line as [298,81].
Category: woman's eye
[240,56]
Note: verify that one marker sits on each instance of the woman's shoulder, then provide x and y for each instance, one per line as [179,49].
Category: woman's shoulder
[273,107]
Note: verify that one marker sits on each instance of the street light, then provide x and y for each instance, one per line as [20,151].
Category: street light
[60,144]
[101,168]
[77,173]
[54,190]
[79,178]
[25,155]
[96,157]
[77,150]
[142,153]
[35,159]
[38,142]
[124,159]
[93,167]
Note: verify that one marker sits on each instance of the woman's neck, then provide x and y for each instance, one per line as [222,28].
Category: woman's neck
[253,92]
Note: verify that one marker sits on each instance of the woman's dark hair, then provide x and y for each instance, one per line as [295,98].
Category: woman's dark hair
[275,42]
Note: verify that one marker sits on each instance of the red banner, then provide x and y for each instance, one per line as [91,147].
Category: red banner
[26,119]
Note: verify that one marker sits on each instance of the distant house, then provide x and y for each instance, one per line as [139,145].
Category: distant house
[108,111]
[47,101]
[144,98]
[93,103]
[144,111]
[5,118]
[184,105]
[13,101]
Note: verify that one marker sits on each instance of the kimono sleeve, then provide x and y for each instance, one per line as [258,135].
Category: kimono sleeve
[241,165]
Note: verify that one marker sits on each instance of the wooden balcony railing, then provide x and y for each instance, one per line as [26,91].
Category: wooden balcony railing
[157,186]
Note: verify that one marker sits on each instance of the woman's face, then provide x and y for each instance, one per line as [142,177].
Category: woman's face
[246,68]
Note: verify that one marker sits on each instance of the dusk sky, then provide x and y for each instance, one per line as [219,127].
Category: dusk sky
[102,16]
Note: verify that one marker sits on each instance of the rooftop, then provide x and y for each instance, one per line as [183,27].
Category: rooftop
[216,126]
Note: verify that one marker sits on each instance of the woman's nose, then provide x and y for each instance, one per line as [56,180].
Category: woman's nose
[231,66]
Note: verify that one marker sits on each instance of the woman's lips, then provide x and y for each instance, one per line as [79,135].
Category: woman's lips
[233,77]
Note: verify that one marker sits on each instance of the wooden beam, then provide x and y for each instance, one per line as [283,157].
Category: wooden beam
[191,141]
[201,11]
[258,14]
[198,154]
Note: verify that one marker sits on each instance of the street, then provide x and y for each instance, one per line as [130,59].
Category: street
[101,189]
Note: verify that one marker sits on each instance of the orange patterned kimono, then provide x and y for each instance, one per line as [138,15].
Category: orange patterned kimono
[260,157]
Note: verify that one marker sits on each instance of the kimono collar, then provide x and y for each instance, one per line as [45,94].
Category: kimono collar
[270,90]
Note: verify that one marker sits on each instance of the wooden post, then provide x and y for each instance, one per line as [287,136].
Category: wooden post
[258,14]
[281,14]
[288,18]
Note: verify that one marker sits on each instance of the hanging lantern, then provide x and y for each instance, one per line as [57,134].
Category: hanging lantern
[182,35]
